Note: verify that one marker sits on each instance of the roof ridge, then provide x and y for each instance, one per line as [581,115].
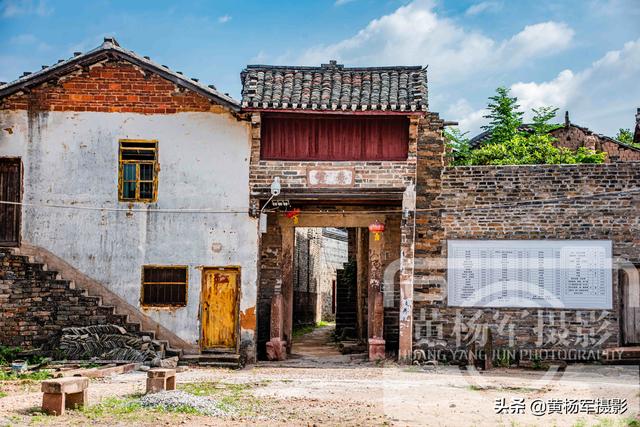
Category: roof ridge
[336,66]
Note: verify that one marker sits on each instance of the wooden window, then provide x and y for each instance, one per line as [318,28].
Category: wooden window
[164,285]
[334,137]
[138,172]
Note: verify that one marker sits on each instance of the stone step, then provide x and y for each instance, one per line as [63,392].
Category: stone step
[214,360]
[228,365]
[28,269]
[621,355]
[172,352]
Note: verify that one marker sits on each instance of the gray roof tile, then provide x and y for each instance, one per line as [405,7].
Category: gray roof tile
[334,87]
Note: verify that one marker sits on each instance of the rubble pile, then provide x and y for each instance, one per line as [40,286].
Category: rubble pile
[108,342]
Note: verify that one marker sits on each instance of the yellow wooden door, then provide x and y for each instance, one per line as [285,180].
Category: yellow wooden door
[219,312]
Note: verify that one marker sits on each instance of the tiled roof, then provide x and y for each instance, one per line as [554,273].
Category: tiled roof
[334,87]
[483,137]
[111,49]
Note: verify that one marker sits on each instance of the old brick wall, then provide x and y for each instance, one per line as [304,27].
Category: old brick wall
[521,202]
[574,137]
[36,305]
[109,86]
[270,276]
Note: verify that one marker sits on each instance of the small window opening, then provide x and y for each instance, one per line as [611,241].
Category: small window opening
[162,286]
[138,174]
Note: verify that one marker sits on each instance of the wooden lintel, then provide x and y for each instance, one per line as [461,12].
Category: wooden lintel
[331,220]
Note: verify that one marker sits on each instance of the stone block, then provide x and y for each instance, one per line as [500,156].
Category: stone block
[376,349]
[65,385]
[64,393]
[276,349]
[160,379]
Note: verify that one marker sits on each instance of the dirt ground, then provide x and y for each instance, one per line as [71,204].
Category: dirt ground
[325,388]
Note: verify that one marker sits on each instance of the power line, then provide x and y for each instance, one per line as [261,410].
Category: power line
[331,212]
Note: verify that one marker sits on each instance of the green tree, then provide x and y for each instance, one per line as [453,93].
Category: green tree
[458,146]
[531,149]
[541,118]
[625,136]
[504,116]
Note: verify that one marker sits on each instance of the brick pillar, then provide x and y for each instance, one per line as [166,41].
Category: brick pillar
[407,249]
[429,244]
[375,302]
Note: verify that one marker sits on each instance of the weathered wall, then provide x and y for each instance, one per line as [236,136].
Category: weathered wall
[36,305]
[520,202]
[319,253]
[574,137]
[71,158]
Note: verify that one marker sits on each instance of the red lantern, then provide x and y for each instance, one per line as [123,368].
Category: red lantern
[293,214]
[376,228]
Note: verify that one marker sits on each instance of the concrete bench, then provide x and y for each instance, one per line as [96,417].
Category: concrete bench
[64,393]
[160,379]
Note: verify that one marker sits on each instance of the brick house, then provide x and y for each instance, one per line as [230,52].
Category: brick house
[312,127]
[344,143]
[573,136]
[134,184]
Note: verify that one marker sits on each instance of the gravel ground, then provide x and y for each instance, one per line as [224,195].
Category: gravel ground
[355,395]
[175,400]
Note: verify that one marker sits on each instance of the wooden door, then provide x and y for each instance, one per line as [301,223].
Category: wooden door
[219,307]
[630,315]
[10,191]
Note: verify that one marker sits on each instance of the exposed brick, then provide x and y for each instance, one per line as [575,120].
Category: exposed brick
[109,86]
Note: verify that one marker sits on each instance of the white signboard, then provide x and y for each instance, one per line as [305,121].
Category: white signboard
[530,273]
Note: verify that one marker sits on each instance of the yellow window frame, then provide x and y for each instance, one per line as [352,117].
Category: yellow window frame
[173,267]
[155,167]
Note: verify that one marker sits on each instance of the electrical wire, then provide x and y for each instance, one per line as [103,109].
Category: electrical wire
[333,211]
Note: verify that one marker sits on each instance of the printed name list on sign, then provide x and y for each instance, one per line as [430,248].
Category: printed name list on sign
[573,274]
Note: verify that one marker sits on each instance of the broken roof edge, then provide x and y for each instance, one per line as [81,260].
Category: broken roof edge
[110,45]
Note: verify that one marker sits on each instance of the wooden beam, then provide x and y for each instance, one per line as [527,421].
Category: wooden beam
[287,254]
[362,249]
[330,220]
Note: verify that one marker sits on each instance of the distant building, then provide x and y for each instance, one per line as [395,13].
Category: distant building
[573,136]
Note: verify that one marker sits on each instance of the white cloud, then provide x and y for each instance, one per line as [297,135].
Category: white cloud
[224,19]
[451,52]
[556,92]
[11,8]
[469,120]
[484,6]
[538,40]
[606,91]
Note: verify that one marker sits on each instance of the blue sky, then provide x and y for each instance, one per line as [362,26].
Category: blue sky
[580,55]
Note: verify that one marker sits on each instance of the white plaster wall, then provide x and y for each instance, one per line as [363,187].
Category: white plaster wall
[72,159]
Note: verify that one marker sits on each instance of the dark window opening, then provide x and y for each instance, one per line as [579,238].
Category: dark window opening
[164,285]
